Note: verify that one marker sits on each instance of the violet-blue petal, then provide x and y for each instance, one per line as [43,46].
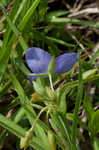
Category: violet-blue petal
[65,62]
[37,60]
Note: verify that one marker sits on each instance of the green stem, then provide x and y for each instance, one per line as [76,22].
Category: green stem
[33,126]
[47,114]
[51,84]
[41,74]
[28,136]
[36,106]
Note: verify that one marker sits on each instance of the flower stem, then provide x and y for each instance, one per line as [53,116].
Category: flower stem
[33,126]
[36,106]
[28,136]
[51,84]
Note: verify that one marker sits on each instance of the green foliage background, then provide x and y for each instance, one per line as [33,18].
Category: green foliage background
[28,23]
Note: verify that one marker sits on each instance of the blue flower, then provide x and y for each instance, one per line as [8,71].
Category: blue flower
[38,61]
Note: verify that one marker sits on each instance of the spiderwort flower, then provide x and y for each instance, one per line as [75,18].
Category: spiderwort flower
[38,61]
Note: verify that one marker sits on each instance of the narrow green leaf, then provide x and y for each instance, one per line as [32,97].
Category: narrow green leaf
[17,130]
[96,144]
[19,115]
[21,66]
[11,126]
[2,137]
[6,50]
[62,103]
[70,116]
[41,134]
[89,73]
[57,13]
[73,21]
[94,125]
[15,30]
[23,3]
[62,131]
[28,15]
[39,88]
[94,57]
[77,105]
[58,41]
[24,102]
[88,106]
[5,88]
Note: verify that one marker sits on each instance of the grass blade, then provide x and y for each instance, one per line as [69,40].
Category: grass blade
[77,105]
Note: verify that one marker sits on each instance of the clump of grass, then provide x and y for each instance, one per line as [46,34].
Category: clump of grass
[37,114]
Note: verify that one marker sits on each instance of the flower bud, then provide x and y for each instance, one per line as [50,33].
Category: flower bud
[52,65]
[36,97]
[51,140]
[50,93]
[25,140]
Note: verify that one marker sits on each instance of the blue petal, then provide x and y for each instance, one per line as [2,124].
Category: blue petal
[65,62]
[37,60]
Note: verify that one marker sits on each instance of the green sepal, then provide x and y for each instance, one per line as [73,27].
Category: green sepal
[39,88]
[36,97]
[50,94]
[62,105]
[52,65]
